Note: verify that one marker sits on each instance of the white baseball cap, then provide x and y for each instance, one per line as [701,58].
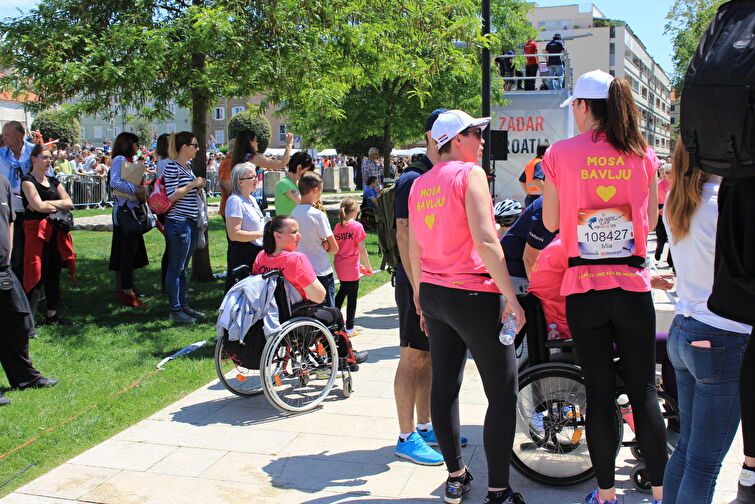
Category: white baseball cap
[451,123]
[592,86]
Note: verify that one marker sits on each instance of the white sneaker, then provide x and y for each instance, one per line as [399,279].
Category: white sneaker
[181,317]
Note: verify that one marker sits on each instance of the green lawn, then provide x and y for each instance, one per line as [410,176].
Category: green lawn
[109,348]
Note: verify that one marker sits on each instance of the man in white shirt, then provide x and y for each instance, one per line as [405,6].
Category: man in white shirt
[317,240]
[15,162]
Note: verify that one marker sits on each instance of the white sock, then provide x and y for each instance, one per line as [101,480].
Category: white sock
[404,435]
[747,477]
[425,426]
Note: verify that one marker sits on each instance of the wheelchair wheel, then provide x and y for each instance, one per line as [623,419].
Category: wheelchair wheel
[232,374]
[299,365]
[550,445]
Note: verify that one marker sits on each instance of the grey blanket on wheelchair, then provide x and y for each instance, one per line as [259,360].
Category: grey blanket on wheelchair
[248,301]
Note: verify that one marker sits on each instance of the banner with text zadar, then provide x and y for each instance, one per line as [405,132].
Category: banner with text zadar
[530,118]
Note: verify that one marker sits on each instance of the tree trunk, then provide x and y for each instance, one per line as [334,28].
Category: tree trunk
[201,270]
[388,146]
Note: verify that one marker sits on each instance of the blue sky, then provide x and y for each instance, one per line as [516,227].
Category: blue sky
[646,17]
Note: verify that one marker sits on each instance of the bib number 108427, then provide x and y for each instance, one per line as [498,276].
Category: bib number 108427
[606,233]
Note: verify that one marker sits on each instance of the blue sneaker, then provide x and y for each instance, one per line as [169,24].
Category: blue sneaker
[416,450]
[593,499]
[429,437]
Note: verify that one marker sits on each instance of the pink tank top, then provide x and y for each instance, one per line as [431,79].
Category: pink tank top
[603,197]
[439,220]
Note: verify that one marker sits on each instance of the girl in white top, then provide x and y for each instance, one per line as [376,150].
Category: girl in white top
[706,350]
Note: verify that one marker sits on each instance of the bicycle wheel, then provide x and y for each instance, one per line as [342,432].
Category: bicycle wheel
[233,375]
[299,365]
[550,444]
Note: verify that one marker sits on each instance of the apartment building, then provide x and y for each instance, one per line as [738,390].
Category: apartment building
[594,41]
[96,129]
[12,107]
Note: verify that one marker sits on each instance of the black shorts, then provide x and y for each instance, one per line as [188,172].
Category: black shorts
[410,334]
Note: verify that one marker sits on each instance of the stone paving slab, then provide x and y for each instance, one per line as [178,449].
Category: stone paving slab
[213,447]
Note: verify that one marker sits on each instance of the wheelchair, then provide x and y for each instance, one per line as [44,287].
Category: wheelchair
[550,444]
[297,366]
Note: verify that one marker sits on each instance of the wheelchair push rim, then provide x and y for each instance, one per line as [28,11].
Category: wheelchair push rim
[233,375]
[299,365]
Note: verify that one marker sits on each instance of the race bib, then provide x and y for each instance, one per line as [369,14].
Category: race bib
[606,233]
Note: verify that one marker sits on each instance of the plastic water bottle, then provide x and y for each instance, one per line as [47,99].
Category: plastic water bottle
[267,218]
[508,331]
[626,410]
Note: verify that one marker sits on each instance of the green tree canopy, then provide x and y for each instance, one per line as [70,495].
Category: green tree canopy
[54,124]
[686,22]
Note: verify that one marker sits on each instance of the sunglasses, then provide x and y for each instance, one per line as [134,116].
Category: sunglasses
[476,131]
[194,145]
[248,178]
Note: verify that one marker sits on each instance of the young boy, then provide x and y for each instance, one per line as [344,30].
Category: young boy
[317,240]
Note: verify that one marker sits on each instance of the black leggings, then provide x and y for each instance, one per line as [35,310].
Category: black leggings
[661,236]
[747,398]
[348,291]
[458,320]
[51,265]
[598,320]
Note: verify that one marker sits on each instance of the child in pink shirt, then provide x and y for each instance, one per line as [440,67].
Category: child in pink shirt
[350,237]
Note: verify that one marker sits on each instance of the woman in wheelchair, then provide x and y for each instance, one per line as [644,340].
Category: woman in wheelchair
[279,243]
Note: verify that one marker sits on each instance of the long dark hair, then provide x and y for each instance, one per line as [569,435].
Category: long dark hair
[619,119]
[124,144]
[275,225]
[161,149]
[242,147]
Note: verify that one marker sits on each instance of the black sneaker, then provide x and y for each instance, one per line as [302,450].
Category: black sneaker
[504,497]
[745,494]
[362,356]
[455,489]
[56,320]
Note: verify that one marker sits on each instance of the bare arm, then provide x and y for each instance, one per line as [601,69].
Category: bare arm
[364,256]
[551,218]
[235,233]
[315,291]
[402,239]
[276,164]
[294,195]
[330,244]
[653,203]
[485,238]
[530,257]
[414,271]
[37,205]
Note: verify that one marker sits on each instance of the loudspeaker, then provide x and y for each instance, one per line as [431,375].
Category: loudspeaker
[499,145]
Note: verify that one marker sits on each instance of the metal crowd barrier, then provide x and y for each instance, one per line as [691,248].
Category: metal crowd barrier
[86,191]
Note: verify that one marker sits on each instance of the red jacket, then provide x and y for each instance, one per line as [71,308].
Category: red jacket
[37,233]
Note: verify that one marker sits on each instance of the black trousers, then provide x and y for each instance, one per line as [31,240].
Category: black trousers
[458,320]
[348,291]
[14,338]
[598,320]
[661,236]
[19,237]
[530,71]
[51,265]
[239,254]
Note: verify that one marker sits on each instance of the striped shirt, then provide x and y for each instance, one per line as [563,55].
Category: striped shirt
[177,176]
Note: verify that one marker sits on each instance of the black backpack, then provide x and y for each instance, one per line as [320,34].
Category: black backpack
[718,97]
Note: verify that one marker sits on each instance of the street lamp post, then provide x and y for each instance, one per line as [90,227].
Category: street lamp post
[486,84]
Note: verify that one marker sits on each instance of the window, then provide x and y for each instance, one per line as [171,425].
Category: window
[644,92]
[218,113]
[673,107]
[219,136]
[673,120]
[282,133]
[612,48]
[116,131]
[98,132]
[83,132]
[236,110]
[170,128]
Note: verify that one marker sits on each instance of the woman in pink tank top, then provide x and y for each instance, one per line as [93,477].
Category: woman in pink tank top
[601,191]
[459,273]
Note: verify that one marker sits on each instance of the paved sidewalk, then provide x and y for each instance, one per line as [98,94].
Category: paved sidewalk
[213,447]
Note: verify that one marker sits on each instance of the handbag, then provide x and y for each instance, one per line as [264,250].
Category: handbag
[133,173]
[158,199]
[62,220]
[137,220]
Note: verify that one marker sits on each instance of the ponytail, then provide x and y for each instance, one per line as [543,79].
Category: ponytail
[275,225]
[619,119]
[177,140]
[172,151]
[347,207]
[684,194]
